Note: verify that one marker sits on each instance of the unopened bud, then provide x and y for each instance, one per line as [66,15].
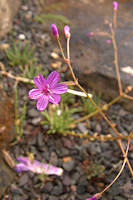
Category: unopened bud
[67,31]
[54,30]
[115,5]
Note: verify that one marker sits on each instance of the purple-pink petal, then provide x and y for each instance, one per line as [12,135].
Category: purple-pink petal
[22,159]
[42,103]
[115,5]
[54,29]
[53,78]
[67,31]
[60,88]
[40,81]
[50,170]
[54,98]
[21,167]
[47,90]
[35,94]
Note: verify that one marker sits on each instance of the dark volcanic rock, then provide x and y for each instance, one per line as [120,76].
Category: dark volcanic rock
[92,57]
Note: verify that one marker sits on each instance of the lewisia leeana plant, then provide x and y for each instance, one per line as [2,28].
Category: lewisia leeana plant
[47,90]
[37,167]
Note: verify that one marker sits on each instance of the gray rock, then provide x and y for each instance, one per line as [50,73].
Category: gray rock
[62,152]
[69,166]
[81,189]
[75,178]
[36,121]
[48,187]
[40,142]
[8,9]
[66,180]
[119,198]
[53,158]
[93,58]
[53,198]
[33,112]
[23,179]
[95,147]
[17,197]
[16,190]
[81,127]
[57,190]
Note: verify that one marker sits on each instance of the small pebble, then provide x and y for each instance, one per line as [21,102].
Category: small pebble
[69,166]
[21,37]
[23,180]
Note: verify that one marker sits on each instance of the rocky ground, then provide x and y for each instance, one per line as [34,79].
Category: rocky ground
[88,166]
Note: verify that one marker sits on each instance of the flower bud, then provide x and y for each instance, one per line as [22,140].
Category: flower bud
[54,30]
[67,31]
[115,5]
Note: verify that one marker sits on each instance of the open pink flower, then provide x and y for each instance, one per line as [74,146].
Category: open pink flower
[47,90]
[37,167]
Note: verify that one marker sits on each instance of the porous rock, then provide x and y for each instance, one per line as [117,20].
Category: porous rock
[8,9]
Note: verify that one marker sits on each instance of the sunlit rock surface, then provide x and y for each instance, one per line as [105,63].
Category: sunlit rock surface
[8,9]
[7,131]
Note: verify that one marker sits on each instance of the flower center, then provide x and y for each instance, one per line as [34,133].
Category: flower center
[46,90]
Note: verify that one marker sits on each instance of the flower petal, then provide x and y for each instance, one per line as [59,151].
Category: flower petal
[53,78]
[23,159]
[21,167]
[40,81]
[35,94]
[60,88]
[50,170]
[42,103]
[54,30]
[54,98]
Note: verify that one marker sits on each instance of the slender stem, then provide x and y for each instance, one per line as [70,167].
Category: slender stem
[105,107]
[123,165]
[68,51]
[127,97]
[99,110]
[102,114]
[115,20]
[17,78]
[62,52]
[113,30]
[102,138]
[111,125]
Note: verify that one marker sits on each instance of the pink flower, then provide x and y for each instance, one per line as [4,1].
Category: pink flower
[47,90]
[115,5]
[37,167]
[54,30]
[67,31]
